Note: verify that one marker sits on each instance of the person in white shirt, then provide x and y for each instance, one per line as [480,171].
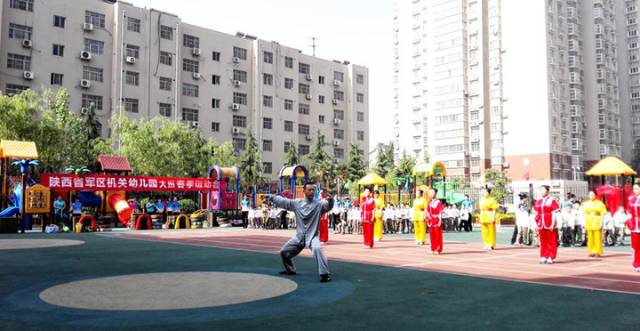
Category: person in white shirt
[522,223]
[251,218]
[387,216]
[619,219]
[609,230]
[579,234]
[568,219]
[406,218]
[533,230]
[273,216]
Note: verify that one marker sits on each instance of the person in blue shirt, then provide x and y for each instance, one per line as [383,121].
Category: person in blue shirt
[150,206]
[58,209]
[244,205]
[160,206]
[467,203]
[76,207]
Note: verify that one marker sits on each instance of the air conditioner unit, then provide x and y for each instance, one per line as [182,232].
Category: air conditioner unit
[236,83]
[309,77]
[85,55]
[337,83]
[85,83]
[309,96]
[195,124]
[84,110]
[27,43]
[308,138]
[87,26]
[334,101]
[196,75]
[196,51]
[28,75]
[131,59]
[336,143]
[235,130]
[235,106]
[236,60]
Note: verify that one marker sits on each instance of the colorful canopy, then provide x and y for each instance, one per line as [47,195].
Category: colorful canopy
[372,179]
[18,149]
[430,169]
[611,166]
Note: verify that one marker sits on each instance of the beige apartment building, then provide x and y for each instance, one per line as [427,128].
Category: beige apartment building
[146,63]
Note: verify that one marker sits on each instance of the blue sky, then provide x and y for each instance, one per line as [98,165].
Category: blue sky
[354,30]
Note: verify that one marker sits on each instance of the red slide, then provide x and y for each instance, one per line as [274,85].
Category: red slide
[120,204]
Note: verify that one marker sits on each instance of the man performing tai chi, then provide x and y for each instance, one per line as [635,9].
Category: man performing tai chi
[308,212]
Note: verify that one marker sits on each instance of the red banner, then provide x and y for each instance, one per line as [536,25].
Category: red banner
[69,182]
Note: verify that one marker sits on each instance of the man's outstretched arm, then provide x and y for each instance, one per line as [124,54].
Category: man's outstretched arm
[282,202]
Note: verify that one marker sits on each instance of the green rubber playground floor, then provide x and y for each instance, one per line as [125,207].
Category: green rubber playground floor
[361,296]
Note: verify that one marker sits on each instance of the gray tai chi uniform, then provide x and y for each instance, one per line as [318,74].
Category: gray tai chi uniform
[307,222]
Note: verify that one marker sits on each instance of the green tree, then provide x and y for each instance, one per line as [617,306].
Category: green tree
[321,164]
[250,165]
[499,181]
[402,172]
[291,157]
[355,166]
[385,160]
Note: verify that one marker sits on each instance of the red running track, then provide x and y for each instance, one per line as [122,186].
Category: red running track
[612,272]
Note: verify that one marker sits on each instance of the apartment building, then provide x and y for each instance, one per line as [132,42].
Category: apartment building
[146,63]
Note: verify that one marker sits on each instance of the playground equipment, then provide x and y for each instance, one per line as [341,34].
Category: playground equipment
[434,175]
[222,195]
[613,167]
[296,175]
[374,181]
[122,208]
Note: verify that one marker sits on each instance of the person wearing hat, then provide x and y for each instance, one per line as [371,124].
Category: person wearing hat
[378,225]
[434,220]
[488,208]
[546,208]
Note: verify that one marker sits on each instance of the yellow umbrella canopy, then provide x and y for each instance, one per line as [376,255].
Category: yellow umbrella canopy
[372,179]
[611,166]
[18,149]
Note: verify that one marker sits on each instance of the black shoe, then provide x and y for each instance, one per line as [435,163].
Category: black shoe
[325,278]
[288,273]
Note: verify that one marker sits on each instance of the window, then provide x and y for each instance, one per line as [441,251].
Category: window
[303,109]
[215,126]
[267,101]
[267,123]
[215,79]
[338,133]
[92,73]
[215,56]
[56,79]
[339,76]
[338,153]
[304,68]
[132,78]
[303,129]
[321,99]
[240,75]
[190,65]
[239,121]
[94,18]
[288,126]
[267,167]
[166,32]
[133,51]
[133,24]
[166,58]
[267,145]
[338,95]
[89,101]
[58,21]
[287,144]
[131,105]
[303,88]
[321,119]
[164,109]
[17,61]
[165,83]
[240,53]
[288,83]
[359,79]
[321,80]
[240,98]
[58,50]
[303,150]
[360,116]
[189,114]
[268,57]
[215,103]
[190,41]
[17,31]
[360,98]
[267,79]
[190,90]
[238,144]
[338,114]
[360,135]
[288,104]
[288,62]
[93,46]
[22,4]
[12,89]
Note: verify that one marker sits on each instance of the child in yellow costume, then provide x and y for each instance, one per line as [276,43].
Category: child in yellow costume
[594,211]
[378,225]
[419,218]
[488,208]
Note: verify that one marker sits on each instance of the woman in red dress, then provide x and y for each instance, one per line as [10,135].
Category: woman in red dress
[434,221]
[547,227]
[367,209]
[633,207]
